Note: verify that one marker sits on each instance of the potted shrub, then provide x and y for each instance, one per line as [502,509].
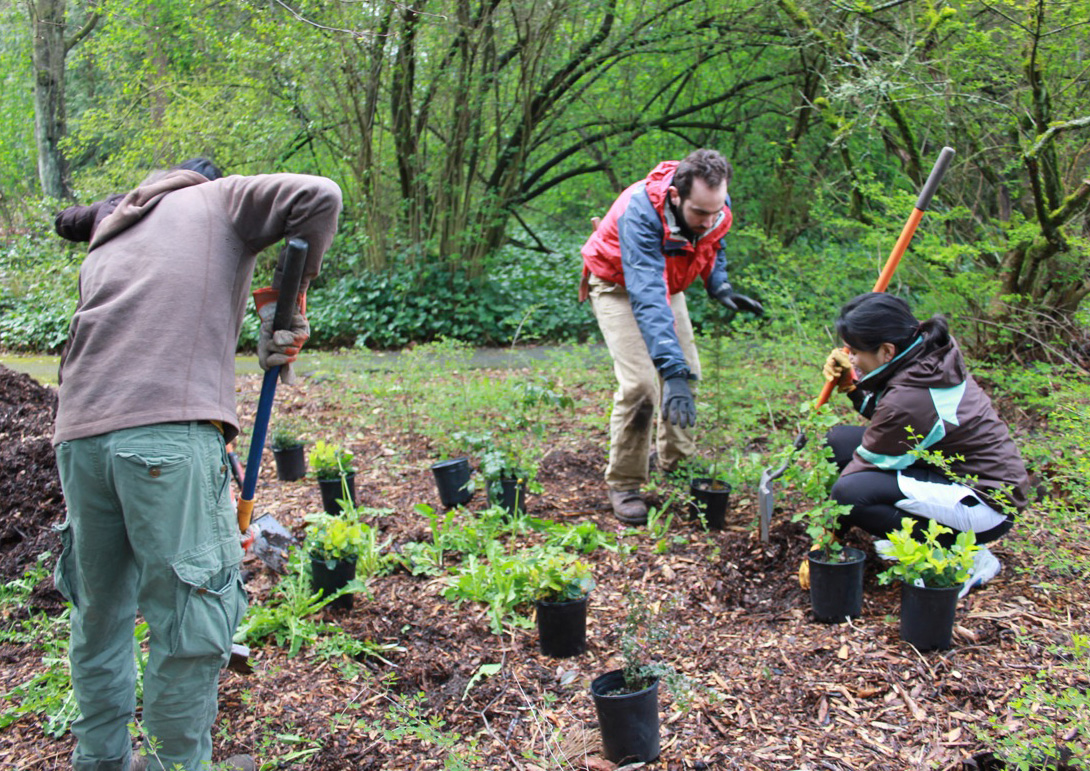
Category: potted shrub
[833,573]
[709,499]
[627,699]
[291,461]
[334,544]
[562,587]
[332,467]
[507,480]
[931,578]
[508,472]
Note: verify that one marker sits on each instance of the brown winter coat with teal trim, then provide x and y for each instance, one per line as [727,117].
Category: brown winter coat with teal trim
[930,390]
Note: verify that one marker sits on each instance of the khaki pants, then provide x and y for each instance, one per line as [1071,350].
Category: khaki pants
[639,388]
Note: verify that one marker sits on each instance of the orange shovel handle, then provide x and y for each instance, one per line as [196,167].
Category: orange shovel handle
[899,248]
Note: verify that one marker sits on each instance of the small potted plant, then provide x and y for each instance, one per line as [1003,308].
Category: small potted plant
[562,585]
[627,699]
[931,577]
[508,478]
[332,467]
[709,496]
[833,573]
[334,544]
[291,461]
[508,472]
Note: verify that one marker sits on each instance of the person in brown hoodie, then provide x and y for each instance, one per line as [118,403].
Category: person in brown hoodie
[146,404]
[909,379]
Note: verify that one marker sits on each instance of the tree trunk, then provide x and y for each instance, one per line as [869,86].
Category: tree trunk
[47,23]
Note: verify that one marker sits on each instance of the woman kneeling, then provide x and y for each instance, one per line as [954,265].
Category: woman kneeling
[935,447]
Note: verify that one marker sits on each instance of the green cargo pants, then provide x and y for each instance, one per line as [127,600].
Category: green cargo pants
[638,394]
[151,527]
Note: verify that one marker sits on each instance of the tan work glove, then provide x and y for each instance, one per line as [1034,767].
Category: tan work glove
[280,348]
[838,367]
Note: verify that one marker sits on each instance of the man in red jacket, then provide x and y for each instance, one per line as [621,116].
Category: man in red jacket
[658,236]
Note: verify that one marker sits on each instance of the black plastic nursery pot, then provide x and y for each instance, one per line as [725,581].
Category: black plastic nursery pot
[562,627]
[333,491]
[452,480]
[509,495]
[927,615]
[836,588]
[710,497]
[291,463]
[629,721]
[331,576]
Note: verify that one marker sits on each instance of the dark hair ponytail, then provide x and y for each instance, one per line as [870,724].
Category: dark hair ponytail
[867,321]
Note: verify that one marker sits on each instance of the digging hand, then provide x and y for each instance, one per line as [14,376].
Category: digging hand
[678,405]
[279,348]
[733,301]
[838,368]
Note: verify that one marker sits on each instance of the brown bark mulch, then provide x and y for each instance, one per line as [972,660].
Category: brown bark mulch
[789,693]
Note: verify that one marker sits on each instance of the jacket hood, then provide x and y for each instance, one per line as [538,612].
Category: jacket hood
[657,185]
[658,182]
[921,367]
[136,205]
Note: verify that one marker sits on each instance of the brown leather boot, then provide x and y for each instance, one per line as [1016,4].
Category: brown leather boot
[628,506]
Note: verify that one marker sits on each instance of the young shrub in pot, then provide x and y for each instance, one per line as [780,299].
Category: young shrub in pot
[340,547]
[562,587]
[291,461]
[931,577]
[626,700]
[507,468]
[332,466]
[832,573]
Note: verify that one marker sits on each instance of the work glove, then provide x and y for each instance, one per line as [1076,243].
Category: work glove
[732,301]
[678,405]
[280,348]
[838,368]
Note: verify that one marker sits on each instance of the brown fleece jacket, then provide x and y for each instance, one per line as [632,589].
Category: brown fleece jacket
[163,292]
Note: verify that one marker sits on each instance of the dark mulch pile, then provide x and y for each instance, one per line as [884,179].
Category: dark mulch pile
[794,694]
[30,490]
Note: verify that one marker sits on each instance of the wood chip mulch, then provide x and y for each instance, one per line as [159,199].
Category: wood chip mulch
[781,691]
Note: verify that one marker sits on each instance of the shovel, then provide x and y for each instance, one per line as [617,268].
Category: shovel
[290,275]
[765,499]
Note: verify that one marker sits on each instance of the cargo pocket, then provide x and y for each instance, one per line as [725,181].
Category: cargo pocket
[157,465]
[210,605]
[148,479]
[63,572]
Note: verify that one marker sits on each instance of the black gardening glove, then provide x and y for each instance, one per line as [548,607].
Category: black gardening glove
[737,302]
[677,402]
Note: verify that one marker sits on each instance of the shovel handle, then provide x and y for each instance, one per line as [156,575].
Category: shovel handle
[290,274]
[909,230]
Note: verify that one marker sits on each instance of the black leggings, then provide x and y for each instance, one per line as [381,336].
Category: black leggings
[873,494]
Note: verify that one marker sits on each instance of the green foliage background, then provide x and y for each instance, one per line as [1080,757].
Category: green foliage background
[475,141]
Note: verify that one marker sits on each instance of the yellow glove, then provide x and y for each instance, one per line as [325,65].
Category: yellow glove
[838,367]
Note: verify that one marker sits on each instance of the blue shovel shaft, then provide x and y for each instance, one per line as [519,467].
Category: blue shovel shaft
[260,432]
[294,259]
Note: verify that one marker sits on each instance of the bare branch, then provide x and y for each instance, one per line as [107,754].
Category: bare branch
[83,32]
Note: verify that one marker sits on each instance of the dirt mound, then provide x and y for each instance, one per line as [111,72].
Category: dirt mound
[30,488]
